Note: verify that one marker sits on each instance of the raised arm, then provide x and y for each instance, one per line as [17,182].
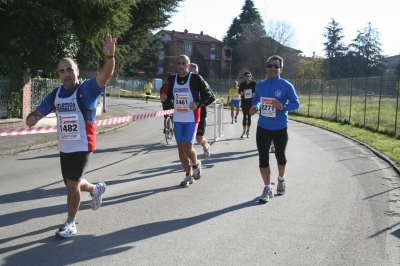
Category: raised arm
[108,67]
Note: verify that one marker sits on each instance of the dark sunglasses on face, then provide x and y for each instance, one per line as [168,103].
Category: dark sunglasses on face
[273,66]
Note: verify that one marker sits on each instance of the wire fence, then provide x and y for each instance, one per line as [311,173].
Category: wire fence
[370,102]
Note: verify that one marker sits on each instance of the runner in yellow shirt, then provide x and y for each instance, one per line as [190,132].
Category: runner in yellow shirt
[234,100]
[147,89]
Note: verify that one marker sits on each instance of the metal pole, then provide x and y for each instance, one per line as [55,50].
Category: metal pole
[351,98]
[104,100]
[379,104]
[230,70]
[365,100]
[397,103]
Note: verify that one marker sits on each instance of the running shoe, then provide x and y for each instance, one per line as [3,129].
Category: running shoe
[266,195]
[280,190]
[243,135]
[67,230]
[197,172]
[207,153]
[248,134]
[232,121]
[272,148]
[187,181]
[97,198]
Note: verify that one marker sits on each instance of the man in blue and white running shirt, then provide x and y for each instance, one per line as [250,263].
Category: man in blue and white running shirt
[190,93]
[75,106]
[273,97]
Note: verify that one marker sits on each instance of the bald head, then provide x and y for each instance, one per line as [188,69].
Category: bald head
[68,72]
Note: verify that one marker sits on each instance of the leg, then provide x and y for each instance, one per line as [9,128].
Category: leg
[183,156]
[74,195]
[263,141]
[280,142]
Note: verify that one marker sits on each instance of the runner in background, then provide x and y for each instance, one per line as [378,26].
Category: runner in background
[247,89]
[201,129]
[147,89]
[234,100]
[163,96]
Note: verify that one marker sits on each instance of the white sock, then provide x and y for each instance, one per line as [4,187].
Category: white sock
[95,190]
[268,187]
[281,178]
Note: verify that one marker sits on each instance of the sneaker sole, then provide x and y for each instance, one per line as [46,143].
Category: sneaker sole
[182,184]
[101,195]
[263,201]
[280,192]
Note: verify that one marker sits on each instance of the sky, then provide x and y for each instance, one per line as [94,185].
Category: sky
[307,17]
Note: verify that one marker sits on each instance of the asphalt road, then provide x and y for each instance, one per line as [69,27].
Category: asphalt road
[341,207]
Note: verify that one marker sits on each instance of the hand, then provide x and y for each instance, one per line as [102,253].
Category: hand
[252,110]
[32,120]
[193,106]
[278,105]
[109,45]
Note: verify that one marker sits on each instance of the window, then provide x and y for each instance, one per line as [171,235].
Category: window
[187,49]
[212,52]
[212,68]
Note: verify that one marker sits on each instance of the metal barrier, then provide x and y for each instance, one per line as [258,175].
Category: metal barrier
[4,96]
[40,88]
[218,119]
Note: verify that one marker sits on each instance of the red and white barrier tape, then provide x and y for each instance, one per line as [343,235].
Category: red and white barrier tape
[105,122]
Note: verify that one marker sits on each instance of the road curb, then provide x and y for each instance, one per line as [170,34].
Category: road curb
[393,164]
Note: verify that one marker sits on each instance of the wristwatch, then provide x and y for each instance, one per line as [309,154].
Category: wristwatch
[110,56]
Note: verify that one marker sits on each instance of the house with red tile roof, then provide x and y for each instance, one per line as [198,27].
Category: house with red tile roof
[175,43]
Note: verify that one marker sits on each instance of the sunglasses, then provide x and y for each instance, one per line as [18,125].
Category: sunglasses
[273,66]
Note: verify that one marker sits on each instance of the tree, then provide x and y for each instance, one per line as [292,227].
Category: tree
[282,32]
[310,69]
[397,69]
[334,49]
[198,58]
[86,23]
[366,52]
[250,21]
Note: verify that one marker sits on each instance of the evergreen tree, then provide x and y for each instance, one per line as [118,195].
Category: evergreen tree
[366,52]
[249,20]
[64,24]
[198,58]
[334,49]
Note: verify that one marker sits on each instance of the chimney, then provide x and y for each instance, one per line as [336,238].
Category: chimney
[186,31]
[173,32]
[201,33]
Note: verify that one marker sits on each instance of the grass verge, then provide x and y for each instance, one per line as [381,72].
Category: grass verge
[382,143]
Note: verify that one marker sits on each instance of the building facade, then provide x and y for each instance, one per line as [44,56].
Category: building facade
[175,43]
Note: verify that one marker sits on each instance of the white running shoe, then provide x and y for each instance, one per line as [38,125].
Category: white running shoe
[97,198]
[272,148]
[207,153]
[67,230]
[187,181]
[281,189]
[248,134]
[266,195]
[197,172]
[243,135]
